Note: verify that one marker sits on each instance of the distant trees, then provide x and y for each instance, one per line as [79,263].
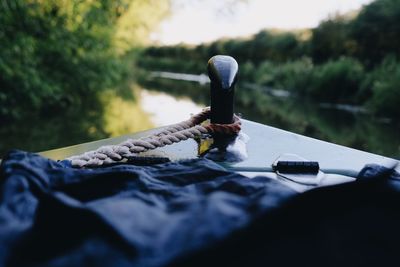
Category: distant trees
[383,84]
[351,58]
[332,39]
[336,81]
[370,36]
[57,54]
[376,31]
[274,45]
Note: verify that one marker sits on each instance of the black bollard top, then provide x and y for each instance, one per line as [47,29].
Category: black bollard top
[222,71]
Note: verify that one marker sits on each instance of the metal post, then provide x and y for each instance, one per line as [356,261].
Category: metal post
[223,71]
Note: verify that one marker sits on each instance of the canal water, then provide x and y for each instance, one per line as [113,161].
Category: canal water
[342,124]
[166,100]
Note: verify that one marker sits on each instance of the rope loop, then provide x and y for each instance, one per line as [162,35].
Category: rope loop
[191,128]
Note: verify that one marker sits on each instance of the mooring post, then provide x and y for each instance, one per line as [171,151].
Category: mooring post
[223,71]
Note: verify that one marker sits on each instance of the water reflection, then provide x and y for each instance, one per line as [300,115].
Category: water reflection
[166,101]
[353,129]
[124,115]
[201,79]
[164,109]
[109,115]
[53,130]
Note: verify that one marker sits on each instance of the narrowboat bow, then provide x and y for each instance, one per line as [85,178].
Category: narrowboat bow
[257,149]
[193,212]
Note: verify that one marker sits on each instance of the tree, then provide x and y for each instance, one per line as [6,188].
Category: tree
[376,31]
[331,40]
[59,53]
[384,85]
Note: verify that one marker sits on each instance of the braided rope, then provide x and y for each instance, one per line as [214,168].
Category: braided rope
[191,128]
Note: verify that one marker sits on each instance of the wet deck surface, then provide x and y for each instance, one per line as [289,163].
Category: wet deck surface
[265,145]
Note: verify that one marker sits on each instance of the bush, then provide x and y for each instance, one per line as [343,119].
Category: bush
[293,76]
[376,31]
[336,81]
[331,39]
[265,74]
[384,84]
[247,72]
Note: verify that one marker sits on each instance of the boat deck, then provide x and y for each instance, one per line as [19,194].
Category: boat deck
[265,145]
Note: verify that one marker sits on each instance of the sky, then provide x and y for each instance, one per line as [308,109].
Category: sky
[198,21]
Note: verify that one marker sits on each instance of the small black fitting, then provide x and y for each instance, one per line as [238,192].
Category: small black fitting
[299,167]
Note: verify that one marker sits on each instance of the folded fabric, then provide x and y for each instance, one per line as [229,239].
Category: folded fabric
[351,224]
[190,213]
[123,215]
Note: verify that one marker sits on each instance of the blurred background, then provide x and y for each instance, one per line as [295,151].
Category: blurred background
[73,71]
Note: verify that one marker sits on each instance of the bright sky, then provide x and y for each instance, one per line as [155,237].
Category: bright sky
[199,21]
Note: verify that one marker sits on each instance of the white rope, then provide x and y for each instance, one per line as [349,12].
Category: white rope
[131,147]
[191,128]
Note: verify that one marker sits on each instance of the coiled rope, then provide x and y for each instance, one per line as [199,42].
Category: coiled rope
[191,128]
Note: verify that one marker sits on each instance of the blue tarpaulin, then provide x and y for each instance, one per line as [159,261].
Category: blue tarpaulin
[185,213]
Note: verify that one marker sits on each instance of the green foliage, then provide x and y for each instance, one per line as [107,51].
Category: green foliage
[58,54]
[294,76]
[52,57]
[170,64]
[331,40]
[370,36]
[248,71]
[137,18]
[336,81]
[376,31]
[278,47]
[274,46]
[384,84]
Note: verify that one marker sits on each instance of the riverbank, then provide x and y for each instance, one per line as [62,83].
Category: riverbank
[160,101]
[339,124]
